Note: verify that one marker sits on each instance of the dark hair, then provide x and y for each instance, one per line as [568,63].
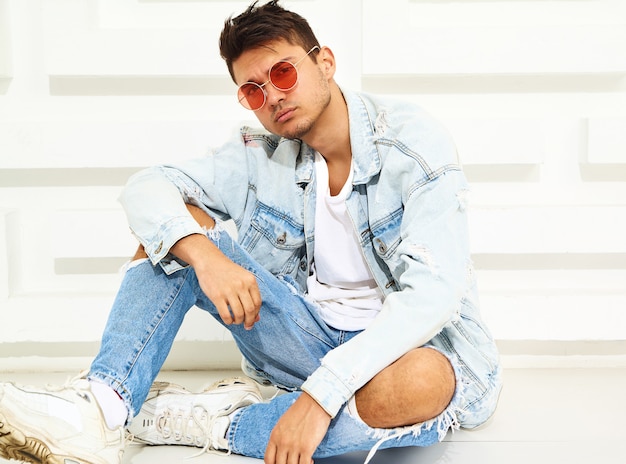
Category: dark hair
[260,25]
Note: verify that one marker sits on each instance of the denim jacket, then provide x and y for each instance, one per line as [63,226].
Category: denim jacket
[408,206]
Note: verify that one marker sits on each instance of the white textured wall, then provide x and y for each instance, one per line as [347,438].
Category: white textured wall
[534,93]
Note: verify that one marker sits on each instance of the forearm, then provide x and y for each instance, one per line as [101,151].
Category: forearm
[198,251]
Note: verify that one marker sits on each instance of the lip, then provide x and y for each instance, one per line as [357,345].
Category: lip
[284,115]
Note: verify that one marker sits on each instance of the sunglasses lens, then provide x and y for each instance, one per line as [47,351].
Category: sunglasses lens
[251,96]
[284,75]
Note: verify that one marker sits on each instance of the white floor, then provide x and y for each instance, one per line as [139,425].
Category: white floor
[545,416]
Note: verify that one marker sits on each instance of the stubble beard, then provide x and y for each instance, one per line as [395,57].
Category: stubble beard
[321,102]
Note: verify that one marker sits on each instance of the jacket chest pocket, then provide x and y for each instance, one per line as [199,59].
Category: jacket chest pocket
[274,240]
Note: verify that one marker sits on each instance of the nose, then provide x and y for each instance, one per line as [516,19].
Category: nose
[274,96]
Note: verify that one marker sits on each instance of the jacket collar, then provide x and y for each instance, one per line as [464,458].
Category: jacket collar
[366,126]
[364,131]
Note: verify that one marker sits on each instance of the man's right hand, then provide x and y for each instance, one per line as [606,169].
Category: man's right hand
[232,289]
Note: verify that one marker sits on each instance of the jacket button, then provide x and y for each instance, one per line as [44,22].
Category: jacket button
[282,239]
[159,248]
[382,248]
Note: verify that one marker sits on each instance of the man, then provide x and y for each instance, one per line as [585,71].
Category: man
[350,285]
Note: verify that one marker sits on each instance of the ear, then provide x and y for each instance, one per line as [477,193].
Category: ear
[326,62]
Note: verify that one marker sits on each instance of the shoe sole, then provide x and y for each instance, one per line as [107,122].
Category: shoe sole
[15,445]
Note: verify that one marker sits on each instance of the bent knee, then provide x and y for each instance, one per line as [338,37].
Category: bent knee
[417,387]
[434,378]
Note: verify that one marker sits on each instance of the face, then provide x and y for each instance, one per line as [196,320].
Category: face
[291,113]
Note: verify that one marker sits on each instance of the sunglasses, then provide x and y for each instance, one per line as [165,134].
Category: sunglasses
[283,75]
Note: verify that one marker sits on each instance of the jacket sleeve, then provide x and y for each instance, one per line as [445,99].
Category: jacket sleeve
[156,212]
[154,199]
[433,279]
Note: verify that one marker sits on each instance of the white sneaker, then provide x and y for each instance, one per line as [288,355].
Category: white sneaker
[56,426]
[172,415]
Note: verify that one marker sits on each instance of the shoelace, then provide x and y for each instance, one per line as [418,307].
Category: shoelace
[374,449]
[189,429]
[194,429]
[207,447]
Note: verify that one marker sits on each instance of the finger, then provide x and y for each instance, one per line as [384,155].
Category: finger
[236,309]
[304,459]
[282,457]
[224,312]
[255,294]
[251,313]
[270,454]
[280,454]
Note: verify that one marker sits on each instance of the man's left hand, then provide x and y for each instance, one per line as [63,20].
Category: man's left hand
[298,433]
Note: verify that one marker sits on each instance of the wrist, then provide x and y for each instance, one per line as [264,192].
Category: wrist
[312,404]
[196,250]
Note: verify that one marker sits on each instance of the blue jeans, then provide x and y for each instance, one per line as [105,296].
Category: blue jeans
[283,348]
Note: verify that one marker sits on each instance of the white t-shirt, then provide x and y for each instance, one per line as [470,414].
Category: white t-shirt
[341,283]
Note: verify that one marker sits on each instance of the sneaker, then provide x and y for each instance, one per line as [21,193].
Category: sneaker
[56,426]
[171,415]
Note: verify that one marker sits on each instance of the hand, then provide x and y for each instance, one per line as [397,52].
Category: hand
[298,433]
[232,289]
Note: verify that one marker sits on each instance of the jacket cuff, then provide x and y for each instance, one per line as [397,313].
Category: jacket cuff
[328,390]
[170,233]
